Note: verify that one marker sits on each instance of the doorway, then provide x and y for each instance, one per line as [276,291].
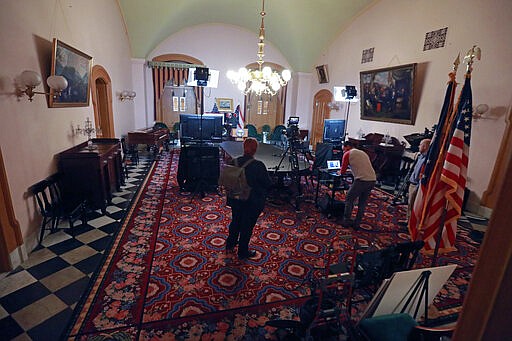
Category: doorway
[101,91]
[321,111]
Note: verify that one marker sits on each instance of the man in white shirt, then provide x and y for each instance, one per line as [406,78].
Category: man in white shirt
[364,181]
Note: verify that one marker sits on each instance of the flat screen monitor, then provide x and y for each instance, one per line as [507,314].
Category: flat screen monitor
[195,128]
[333,130]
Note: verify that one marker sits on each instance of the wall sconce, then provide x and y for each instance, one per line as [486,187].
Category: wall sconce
[334,106]
[28,80]
[480,111]
[127,95]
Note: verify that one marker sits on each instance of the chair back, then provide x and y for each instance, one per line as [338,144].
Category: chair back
[265,128]
[251,130]
[405,255]
[54,182]
[277,133]
[41,191]
[323,153]
[375,266]
[160,125]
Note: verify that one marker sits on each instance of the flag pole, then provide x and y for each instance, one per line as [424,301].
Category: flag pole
[473,53]
[442,138]
[439,236]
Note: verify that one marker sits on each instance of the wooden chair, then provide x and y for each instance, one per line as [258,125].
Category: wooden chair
[53,207]
[330,303]
[66,208]
[130,155]
[41,192]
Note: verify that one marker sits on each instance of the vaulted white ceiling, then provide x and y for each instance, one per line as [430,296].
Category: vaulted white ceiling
[300,29]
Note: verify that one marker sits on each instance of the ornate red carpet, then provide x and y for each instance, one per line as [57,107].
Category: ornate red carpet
[168,267]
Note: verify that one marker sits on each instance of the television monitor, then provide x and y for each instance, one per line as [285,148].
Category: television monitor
[195,129]
[333,130]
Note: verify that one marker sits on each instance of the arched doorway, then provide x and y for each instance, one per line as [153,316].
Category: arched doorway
[101,91]
[321,111]
[174,85]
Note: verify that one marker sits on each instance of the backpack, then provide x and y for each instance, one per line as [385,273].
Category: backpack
[232,178]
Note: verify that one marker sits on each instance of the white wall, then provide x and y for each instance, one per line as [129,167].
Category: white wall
[31,134]
[139,86]
[220,47]
[397,28]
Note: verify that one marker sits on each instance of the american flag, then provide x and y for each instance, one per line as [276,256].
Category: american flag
[238,111]
[430,176]
[445,204]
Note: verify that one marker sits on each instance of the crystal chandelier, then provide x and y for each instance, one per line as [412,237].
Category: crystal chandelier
[264,80]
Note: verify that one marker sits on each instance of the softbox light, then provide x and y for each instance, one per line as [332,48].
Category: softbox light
[347,93]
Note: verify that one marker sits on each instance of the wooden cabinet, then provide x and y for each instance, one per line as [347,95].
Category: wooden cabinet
[92,173]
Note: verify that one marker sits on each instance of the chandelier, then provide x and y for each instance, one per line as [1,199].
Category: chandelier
[264,80]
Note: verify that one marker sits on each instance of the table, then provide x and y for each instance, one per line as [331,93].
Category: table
[335,182]
[269,154]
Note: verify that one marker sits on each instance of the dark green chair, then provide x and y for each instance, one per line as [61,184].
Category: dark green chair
[160,125]
[266,129]
[253,132]
[399,327]
[277,135]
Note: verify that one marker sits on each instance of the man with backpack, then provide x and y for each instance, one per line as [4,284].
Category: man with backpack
[245,213]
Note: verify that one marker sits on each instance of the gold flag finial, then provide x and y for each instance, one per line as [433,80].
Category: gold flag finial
[456,63]
[473,53]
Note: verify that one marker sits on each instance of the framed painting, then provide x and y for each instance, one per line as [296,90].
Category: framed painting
[75,66]
[388,94]
[321,72]
[224,104]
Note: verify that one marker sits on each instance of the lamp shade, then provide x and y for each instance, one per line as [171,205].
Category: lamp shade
[57,83]
[287,75]
[30,78]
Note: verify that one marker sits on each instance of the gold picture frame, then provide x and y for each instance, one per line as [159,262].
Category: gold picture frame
[224,104]
[387,94]
[76,67]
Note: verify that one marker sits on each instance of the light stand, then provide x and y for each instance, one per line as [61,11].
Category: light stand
[345,94]
[201,75]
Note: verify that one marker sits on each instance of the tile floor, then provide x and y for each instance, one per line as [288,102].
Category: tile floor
[37,298]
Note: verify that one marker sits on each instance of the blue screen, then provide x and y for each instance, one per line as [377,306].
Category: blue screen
[334,130]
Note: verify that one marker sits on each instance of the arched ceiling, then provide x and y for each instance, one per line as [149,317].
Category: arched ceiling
[300,29]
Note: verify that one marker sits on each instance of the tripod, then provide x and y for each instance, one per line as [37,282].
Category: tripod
[201,185]
[294,165]
[421,288]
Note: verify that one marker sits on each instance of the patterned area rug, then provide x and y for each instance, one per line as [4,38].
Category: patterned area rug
[167,275]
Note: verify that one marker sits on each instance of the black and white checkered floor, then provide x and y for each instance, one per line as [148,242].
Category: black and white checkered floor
[37,298]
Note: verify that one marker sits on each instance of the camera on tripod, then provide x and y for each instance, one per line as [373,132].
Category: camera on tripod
[292,131]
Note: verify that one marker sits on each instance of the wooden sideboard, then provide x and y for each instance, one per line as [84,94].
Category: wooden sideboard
[92,174]
[386,158]
[154,138]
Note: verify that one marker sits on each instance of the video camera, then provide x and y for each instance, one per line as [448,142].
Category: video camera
[292,131]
